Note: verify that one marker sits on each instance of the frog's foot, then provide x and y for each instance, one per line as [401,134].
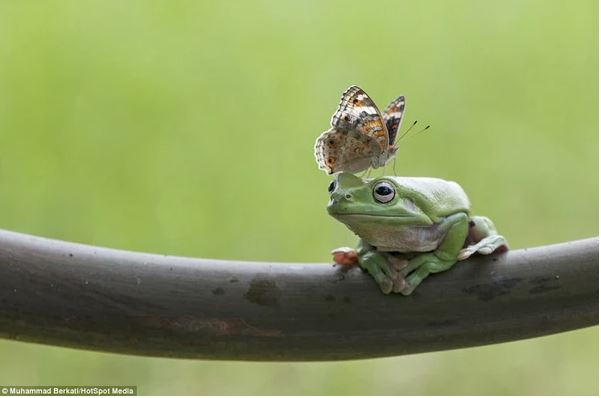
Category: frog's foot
[422,266]
[399,284]
[398,265]
[486,246]
[382,269]
[345,256]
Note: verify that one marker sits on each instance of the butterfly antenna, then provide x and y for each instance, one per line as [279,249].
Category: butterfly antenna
[421,131]
[405,133]
[394,166]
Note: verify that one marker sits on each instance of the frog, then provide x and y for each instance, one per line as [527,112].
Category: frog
[408,227]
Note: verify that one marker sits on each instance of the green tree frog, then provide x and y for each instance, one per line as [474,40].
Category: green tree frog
[409,227]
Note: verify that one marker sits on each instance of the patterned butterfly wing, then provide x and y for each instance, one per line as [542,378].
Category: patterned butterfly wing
[393,117]
[345,150]
[357,111]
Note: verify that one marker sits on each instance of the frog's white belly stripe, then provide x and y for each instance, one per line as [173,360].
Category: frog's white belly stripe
[391,238]
[413,239]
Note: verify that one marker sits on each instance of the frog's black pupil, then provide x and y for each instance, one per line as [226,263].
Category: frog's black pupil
[332,186]
[383,190]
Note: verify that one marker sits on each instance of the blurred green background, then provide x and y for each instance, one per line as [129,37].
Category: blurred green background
[187,127]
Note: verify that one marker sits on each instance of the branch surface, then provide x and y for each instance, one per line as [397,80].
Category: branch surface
[80,296]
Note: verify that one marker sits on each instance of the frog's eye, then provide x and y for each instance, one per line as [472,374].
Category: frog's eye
[383,192]
[332,186]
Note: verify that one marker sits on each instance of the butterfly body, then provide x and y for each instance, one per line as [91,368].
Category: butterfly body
[360,137]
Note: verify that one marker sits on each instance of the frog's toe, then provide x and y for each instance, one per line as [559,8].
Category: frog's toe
[345,256]
[344,249]
[386,286]
[486,250]
[398,285]
[465,253]
[494,247]
[407,289]
[411,282]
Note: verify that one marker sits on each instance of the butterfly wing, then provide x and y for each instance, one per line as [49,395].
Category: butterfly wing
[345,150]
[357,111]
[393,117]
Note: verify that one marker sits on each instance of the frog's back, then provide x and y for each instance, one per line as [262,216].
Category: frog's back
[438,198]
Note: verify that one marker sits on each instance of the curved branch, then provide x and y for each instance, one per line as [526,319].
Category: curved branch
[82,296]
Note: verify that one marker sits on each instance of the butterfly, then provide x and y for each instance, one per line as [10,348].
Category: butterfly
[360,137]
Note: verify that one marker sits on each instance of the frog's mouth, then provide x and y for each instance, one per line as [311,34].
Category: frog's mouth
[386,218]
[336,214]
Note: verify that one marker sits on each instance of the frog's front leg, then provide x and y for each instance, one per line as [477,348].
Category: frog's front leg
[383,268]
[443,258]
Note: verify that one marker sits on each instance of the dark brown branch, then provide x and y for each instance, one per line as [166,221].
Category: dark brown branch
[81,296]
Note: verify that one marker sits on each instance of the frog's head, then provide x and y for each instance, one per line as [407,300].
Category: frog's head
[357,201]
[375,209]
